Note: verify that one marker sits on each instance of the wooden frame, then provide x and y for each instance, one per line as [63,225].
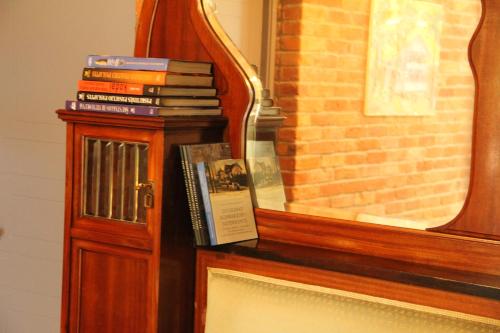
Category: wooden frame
[180,30]
[188,35]
[470,243]
[364,285]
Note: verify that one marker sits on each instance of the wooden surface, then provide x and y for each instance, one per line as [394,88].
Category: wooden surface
[414,294]
[423,247]
[179,31]
[115,289]
[428,276]
[481,214]
[143,272]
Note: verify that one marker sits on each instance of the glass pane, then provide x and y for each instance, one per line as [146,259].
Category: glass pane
[143,178]
[112,172]
[378,98]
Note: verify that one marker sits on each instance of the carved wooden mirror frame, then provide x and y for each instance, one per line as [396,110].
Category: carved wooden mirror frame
[471,241]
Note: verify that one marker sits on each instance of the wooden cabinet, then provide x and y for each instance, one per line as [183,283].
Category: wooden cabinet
[128,255]
[112,288]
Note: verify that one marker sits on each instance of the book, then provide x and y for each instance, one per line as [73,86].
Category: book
[227,201]
[190,156]
[266,184]
[162,78]
[150,64]
[142,89]
[147,100]
[141,110]
[270,111]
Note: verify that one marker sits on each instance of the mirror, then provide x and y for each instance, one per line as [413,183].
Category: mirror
[378,98]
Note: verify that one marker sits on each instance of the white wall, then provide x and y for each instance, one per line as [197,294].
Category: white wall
[43,47]
[242,21]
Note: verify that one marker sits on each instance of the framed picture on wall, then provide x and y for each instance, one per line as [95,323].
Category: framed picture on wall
[403,58]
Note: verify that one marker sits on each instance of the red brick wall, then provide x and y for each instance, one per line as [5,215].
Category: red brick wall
[331,154]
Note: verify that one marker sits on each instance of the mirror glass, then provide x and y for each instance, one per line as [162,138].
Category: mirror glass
[372,105]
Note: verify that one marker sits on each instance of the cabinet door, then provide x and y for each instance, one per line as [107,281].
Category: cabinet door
[111,289]
[117,189]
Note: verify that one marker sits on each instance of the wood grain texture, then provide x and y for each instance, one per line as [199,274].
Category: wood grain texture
[480,216]
[68,204]
[423,247]
[451,280]
[165,242]
[180,31]
[352,283]
[114,290]
[146,232]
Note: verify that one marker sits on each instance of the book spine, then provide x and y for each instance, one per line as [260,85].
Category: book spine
[119,99]
[201,219]
[126,76]
[112,108]
[112,87]
[192,210]
[205,195]
[122,62]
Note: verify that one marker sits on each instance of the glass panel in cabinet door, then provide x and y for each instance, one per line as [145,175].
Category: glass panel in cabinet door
[113,172]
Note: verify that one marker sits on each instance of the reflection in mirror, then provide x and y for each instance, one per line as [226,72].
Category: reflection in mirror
[378,98]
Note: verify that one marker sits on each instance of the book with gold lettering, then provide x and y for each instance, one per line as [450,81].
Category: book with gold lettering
[148,100]
[162,78]
[227,201]
[143,89]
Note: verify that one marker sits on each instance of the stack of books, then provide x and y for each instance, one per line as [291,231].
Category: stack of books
[146,86]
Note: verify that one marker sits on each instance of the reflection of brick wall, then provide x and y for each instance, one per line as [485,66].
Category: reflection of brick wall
[331,154]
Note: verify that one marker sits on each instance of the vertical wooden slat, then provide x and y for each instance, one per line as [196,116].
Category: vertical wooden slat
[122,151]
[96,176]
[136,182]
[85,172]
[110,166]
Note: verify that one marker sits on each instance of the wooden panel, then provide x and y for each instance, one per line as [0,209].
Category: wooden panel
[154,139]
[111,289]
[169,236]
[179,30]
[480,216]
[423,247]
[68,204]
[177,267]
[368,286]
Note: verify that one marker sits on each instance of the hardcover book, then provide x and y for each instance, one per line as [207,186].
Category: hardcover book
[226,200]
[147,100]
[190,156]
[141,110]
[162,78]
[150,64]
[142,89]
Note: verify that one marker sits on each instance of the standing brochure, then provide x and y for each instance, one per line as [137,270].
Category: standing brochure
[227,201]
[190,156]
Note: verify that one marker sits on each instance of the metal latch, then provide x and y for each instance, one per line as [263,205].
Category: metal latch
[148,189]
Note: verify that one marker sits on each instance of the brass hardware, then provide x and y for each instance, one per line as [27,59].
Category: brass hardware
[148,193]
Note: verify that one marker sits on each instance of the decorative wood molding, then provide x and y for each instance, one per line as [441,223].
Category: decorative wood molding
[423,247]
[480,216]
[180,30]
[143,122]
